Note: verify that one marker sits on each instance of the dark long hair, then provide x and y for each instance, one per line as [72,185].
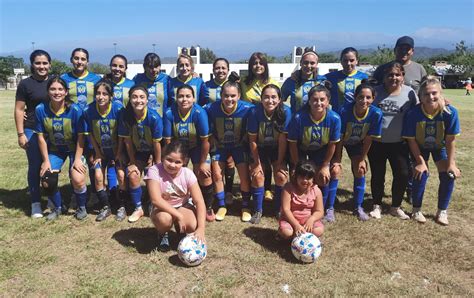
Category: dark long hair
[176,146]
[305,169]
[67,101]
[109,75]
[37,53]
[324,86]
[80,50]
[278,116]
[263,60]
[129,116]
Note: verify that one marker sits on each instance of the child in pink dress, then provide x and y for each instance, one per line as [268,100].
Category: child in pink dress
[301,204]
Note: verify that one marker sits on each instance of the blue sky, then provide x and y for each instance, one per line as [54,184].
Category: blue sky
[60,25]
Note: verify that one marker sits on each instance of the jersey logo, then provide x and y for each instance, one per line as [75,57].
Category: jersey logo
[58,131]
[81,89]
[118,93]
[229,130]
[268,138]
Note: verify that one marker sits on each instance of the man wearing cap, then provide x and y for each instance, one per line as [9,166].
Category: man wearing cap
[414,72]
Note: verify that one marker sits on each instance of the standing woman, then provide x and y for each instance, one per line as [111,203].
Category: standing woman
[268,129]
[344,82]
[185,70]
[156,83]
[394,99]
[102,125]
[142,130]
[187,122]
[60,127]
[117,76]
[313,133]
[298,85]
[30,93]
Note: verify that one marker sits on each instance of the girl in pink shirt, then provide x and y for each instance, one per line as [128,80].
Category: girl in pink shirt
[175,196]
[301,204]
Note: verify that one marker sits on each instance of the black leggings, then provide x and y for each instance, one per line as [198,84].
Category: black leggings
[397,155]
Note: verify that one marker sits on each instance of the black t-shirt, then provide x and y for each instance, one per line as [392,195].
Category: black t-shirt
[32,92]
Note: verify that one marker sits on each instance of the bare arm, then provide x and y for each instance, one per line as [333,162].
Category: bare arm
[19,113]
[451,151]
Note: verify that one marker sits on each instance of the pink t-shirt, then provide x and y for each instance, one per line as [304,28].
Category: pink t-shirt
[174,190]
[301,205]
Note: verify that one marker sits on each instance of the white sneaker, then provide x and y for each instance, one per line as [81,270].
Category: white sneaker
[398,212]
[36,211]
[442,217]
[376,212]
[418,216]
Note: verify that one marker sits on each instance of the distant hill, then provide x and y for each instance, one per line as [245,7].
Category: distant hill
[420,52]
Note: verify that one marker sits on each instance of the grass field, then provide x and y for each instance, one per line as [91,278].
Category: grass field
[378,257]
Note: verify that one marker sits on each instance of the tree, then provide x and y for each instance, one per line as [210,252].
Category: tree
[380,56]
[59,67]
[98,68]
[462,60]
[6,70]
[207,55]
[327,58]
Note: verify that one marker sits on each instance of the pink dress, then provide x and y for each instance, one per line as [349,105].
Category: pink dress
[300,206]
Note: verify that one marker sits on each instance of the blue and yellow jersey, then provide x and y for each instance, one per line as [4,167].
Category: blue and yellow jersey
[60,129]
[157,91]
[343,87]
[212,92]
[81,89]
[298,93]
[430,131]
[313,135]
[252,92]
[267,131]
[196,83]
[229,129]
[104,127]
[121,90]
[144,132]
[189,128]
[354,129]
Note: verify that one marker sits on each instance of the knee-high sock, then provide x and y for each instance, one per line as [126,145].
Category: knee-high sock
[220,196]
[245,199]
[112,178]
[418,189]
[257,193]
[56,199]
[359,191]
[332,192]
[229,174]
[136,195]
[207,193]
[103,197]
[122,197]
[81,196]
[445,190]
[277,198]
[325,191]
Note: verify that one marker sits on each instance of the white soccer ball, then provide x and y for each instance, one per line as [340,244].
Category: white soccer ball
[190,251]
[306,247]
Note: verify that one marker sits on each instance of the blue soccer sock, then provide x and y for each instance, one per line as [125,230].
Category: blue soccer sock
[325,191]
[103,197]
[445,190]
[56,199]
[277,199]
[220,197]
[332,190]
[245,199]
[359,191]
[136,196]
[112,177]
[257,194]
[81,196]
[419,190]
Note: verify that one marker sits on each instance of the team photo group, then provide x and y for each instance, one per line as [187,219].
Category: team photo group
[185,139]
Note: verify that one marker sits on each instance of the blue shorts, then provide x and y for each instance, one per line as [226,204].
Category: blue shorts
[354,150]
[195,155]
[57,159]
[316,156]
[239,154]
[438,154]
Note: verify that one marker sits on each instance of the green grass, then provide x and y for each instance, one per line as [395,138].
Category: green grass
[384,257]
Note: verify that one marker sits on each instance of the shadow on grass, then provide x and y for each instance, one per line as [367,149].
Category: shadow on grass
[143,240]
[266,238]
[174,260]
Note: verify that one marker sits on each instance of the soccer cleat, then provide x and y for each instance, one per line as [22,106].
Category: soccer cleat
[121,214]
[398,212]
[361,215]
[256,217]
[330,216]
[229,198]
[136,215]
[418,216]
[376,212]
[221,212]
[246,215]
[442,217]
[164,242]
[81,213]
[103,214]
[36,211]
[210,216]
[54,214]
[268,195]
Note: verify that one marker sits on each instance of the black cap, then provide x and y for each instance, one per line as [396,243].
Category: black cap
[405,40]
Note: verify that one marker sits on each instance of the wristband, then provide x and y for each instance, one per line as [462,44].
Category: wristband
[20,134]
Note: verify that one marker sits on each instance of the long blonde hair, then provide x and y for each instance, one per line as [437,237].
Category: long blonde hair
[433,80]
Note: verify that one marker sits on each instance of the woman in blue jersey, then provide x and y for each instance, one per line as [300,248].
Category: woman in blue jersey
[185,70]
[102,125]
[30,93]
[431,129]
[345,81]
[60,127]
[228,121]
[117,77]
[267,130]
[156,83]
[298,85]
[188,122]
[313,133]
[141,128]
[361,122]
